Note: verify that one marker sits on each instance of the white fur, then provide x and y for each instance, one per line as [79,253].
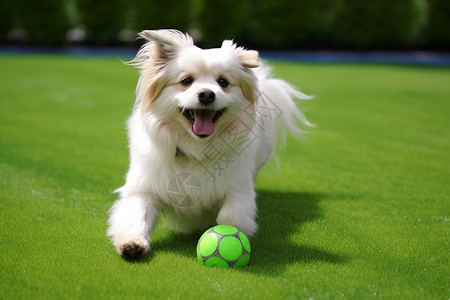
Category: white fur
[164,150]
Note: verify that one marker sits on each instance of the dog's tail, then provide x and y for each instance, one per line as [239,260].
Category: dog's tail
[277,101]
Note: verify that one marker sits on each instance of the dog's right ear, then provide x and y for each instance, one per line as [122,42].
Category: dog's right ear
[167,42]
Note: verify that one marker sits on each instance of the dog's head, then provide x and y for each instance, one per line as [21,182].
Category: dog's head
[190,95]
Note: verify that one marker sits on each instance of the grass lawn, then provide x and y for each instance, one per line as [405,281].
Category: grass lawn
[359,208]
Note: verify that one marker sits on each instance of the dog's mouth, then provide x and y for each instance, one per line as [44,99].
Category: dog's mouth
[202,120]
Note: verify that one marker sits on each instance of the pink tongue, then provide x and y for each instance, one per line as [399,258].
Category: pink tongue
[203,124]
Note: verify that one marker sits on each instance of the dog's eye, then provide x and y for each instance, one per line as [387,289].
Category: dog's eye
[187,81]
[223,82]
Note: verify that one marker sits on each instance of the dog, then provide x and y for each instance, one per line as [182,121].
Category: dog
[203,124]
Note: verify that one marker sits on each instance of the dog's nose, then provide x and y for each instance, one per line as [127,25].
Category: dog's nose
[206,96]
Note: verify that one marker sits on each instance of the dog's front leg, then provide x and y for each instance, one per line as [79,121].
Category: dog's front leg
[131,220]
[239,210]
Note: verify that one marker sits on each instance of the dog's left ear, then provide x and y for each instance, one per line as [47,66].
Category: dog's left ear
[249,58]
[167,42]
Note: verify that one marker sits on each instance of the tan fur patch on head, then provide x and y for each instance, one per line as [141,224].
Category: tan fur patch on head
[149,87]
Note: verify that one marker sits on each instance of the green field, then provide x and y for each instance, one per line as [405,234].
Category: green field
[359,208]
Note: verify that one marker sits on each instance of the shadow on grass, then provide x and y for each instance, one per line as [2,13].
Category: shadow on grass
[280,215]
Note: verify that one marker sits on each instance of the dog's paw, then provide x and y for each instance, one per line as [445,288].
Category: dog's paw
[134,249]
[247,226]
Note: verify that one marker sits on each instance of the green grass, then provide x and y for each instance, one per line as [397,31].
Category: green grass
[358,209]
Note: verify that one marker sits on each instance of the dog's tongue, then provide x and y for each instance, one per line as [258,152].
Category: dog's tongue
[203,124]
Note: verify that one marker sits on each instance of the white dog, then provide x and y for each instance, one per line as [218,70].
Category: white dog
[203,124]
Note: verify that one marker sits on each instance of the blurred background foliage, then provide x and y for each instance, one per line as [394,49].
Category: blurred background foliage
[263,24]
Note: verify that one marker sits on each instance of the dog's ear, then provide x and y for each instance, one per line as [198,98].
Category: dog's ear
[167,42]
[249,58]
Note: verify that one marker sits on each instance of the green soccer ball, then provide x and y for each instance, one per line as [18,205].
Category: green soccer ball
[223,246]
